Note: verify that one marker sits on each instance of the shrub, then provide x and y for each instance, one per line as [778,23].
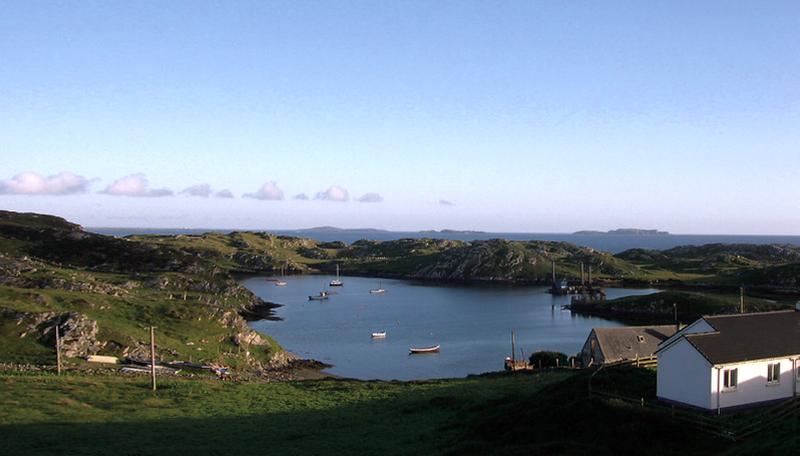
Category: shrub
[548,359]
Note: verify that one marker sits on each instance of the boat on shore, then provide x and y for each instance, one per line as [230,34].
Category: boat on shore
[379,335]
[337,282]
[418,350]
[323,295]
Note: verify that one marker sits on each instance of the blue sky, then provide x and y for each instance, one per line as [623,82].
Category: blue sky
[526,116]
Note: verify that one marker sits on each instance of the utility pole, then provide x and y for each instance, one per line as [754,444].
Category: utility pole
[58,350]
[741,299]
[675,316]
[513,347]
[153,356]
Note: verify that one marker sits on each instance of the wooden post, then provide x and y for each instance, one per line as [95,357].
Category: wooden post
[513,347]
[153,357]
[58,350]
[741,299]
[675,316]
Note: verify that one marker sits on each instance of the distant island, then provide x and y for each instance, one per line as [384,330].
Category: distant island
[634,231]
[446,231]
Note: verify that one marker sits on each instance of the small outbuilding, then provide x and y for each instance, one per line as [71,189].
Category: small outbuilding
[609,345]
[730,361]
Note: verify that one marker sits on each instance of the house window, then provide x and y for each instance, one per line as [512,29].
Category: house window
[774,373]
[730,378]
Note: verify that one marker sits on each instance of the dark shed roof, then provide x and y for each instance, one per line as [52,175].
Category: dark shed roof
[631,341]
[749,337]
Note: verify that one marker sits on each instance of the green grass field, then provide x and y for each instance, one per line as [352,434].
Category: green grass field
[539,413]
[84,415]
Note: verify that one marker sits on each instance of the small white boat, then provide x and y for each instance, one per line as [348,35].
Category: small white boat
[379,335]
[336,282]
[378,290]
[416,350]
[280,283]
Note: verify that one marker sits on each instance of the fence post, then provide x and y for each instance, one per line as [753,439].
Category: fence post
[153,356]
[58,350]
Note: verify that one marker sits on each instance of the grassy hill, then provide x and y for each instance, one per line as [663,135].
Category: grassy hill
[658,307]
[105,292]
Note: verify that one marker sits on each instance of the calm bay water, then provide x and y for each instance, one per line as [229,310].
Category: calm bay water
[472,324]
[609,243]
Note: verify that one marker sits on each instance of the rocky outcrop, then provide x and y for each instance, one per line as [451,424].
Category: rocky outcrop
[78,332]
[242,334]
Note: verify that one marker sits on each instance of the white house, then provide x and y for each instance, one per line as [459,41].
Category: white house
[726,361]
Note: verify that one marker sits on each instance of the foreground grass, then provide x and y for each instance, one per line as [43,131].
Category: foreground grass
[540,413]
[84,415]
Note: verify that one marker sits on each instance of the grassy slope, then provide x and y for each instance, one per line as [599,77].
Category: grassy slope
[122,319]
[103,415]
[124,285]
[543,413]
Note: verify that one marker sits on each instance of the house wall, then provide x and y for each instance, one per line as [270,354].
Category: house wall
[752,384]
[684,375]
[587,352]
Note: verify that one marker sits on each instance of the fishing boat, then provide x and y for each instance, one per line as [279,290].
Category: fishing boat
[378,290]
[379,335]
[323,295]
[336,282]
[417,350]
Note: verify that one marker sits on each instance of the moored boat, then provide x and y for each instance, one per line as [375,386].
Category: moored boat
[379,290]
[280,283]
[379,335]
[336,282]
[320,297]
[416,350]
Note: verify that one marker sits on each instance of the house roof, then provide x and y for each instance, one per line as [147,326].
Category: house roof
[626,343]
[749,337]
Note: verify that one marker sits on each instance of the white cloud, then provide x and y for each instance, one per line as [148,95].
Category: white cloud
[30,183]
[301,196]
[224,193]
[370,198]
[444,202]
[135,185]
[268,191]
[334,193]
[203,190]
